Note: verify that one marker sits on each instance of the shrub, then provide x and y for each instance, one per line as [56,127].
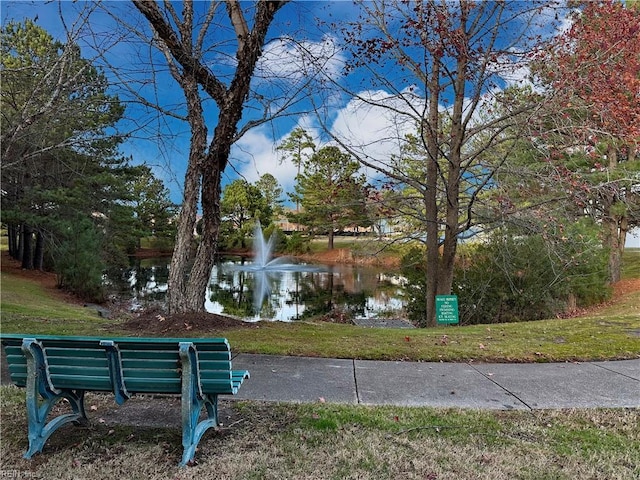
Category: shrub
[413,266]
[297,243]
[77,260]
[515,277]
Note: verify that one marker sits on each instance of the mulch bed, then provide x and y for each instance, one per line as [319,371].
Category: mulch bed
[155,322]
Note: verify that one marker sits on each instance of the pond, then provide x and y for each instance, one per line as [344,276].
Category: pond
[292,293]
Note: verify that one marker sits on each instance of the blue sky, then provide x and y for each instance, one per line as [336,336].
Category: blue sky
[162,142]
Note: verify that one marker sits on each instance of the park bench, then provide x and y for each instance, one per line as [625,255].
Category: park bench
[53,368]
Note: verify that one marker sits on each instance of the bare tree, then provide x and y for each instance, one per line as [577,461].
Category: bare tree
[434,69]
[181,38]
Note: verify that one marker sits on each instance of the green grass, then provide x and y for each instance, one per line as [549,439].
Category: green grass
[552,340]
[27,307]
[328,441]
[631,263]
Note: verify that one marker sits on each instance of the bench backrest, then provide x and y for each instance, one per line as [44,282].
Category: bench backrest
[148,365]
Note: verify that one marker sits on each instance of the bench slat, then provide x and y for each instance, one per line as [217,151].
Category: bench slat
[153,385]
[170,354]
[214,364]
[215,375]
[82,382]
[167,364]
[75,370]
[133,373]
[55,352]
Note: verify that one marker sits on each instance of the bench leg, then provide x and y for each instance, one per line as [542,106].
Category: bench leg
[38,385]
[38,412]
[192,428]
[193,399]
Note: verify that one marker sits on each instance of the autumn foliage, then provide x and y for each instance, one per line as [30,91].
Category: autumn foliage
[597,62]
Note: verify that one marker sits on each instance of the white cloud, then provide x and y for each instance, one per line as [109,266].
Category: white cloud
[256,154]
[287,58]
[375,123]
[513,69]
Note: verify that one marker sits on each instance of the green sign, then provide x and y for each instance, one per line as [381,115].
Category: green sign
[447,309]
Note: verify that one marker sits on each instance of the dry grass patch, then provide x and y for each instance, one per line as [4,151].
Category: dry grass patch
[323,441]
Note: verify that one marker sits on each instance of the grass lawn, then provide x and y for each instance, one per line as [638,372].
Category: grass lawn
[323,441]
[631,261]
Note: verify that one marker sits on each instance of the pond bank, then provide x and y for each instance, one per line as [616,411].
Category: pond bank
[330,257]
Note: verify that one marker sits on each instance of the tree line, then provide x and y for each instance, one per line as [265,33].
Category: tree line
[71,202]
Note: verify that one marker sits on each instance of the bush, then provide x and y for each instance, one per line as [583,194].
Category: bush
[413,266]
[517,277]
[297,243]
[77,260]
[280,239]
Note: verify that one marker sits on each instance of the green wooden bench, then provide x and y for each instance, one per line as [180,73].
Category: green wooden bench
[53,368]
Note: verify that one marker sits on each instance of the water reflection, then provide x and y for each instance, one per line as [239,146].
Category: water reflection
[284,295]
[144,281]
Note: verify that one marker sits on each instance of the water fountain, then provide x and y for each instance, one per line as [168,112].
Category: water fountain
[265,268]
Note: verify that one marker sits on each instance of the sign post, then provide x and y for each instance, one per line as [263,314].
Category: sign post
[447,310]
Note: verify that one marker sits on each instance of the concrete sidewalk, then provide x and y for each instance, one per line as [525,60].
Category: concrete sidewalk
[459,385]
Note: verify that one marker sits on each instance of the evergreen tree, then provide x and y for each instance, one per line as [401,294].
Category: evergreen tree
[241,205]
[331,193]
[154,211]
[271,190]
[68,196]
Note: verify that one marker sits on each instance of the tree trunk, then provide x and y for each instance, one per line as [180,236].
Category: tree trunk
[452,192]
[615,262]
[205,255]
[189,294]
[433,254]
[449,248]
[12,234]
[177,293]
[615,232]
[615,225]
[20,251]
[429,134]
[176,283]
[27,248]
[38,255]
[193,294]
